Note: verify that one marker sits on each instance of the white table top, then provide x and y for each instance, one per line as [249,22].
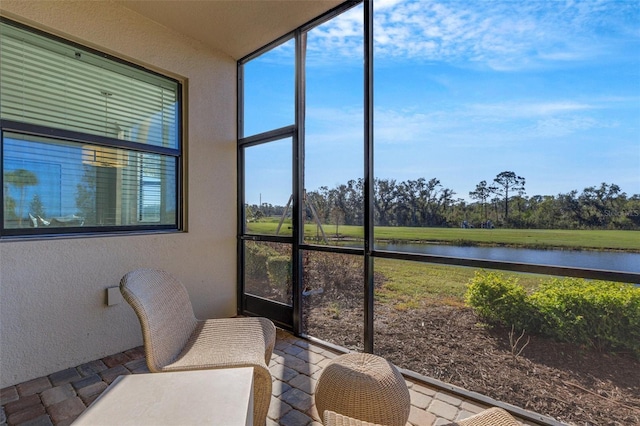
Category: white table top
[212,397]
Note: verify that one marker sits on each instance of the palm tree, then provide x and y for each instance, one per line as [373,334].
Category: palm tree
[21,179]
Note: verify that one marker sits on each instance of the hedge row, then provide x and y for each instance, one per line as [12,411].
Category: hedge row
[599,313]
[266,264]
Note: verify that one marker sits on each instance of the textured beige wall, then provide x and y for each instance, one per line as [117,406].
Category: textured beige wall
[52,293]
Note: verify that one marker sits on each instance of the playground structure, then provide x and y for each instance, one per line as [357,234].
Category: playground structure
[314,214]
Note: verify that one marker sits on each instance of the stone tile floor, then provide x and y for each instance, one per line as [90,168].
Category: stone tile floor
[296,364]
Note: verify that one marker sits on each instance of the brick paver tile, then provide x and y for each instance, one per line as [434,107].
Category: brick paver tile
[86,381]
[43,420]
[281,345]
[420,400]
[138,366]
[277,357]
[8,394]
[302,366]
[278,408]
[29,413]
[313,413]
[33,386]
[442,409]
[295,418]
[471,407]
[66,410]
[317,374]
[135,353]
[302,343]
[115,360]
[330,354]
[22,404]
[91,368]
[297,399]
[282,372]
[65,376]
[91,392]
[323,363]
[423,389]
[293,350]
[295,363]
[279,387]
[304,383]
[282,334]
[449,399]
[463,414]
[418,417]
[57,394]
[112,373]
[311,357]
[316,349]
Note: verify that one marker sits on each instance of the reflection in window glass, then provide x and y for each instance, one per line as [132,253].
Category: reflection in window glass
[50,184]
[267,270]
[269,90]
[268,188]
[332,299]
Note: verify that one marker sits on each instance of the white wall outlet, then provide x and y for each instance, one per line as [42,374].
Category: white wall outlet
[114,296]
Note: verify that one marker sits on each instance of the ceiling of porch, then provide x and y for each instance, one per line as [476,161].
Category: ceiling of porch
[235,27]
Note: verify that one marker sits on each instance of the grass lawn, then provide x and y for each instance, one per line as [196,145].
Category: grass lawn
[531,238]
[408,284]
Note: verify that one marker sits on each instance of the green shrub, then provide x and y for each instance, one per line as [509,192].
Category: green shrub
[256,257]
[600,313]
[266,264]
[279,272]
[500,300]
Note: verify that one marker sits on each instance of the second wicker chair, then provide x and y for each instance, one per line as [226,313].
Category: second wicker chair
[365,387]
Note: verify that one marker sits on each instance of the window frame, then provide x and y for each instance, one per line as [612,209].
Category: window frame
[77,137]
[368,252]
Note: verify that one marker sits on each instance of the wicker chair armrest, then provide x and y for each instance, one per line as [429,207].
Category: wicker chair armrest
[491,417]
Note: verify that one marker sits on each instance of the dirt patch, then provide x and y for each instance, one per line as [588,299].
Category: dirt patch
[445,340]
[572,384]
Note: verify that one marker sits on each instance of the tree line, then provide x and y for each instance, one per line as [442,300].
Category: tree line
[502,202]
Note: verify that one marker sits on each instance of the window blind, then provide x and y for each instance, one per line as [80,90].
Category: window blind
[54,84]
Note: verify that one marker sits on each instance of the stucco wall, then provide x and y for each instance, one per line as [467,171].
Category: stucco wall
[52,292]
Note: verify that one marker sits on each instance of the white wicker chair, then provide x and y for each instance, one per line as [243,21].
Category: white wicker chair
[491,417]
[174,340]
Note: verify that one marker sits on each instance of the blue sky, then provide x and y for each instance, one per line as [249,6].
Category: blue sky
[463,91]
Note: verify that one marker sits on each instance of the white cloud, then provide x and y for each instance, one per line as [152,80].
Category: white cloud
[510,110]
[497,126]
[500,35]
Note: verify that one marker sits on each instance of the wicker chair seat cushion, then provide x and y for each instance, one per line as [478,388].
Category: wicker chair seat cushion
[491,417]
[226,342]
[364,387]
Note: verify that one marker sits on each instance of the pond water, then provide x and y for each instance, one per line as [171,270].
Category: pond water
[613,261]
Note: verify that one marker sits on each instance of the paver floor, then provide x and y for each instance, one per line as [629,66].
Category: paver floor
[295,366]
